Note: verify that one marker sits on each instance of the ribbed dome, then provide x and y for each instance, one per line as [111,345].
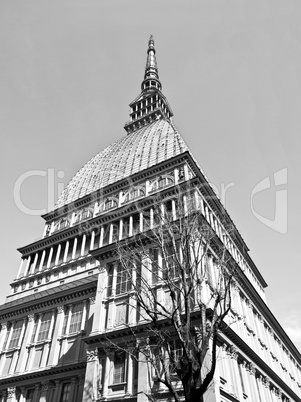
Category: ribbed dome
[133,153]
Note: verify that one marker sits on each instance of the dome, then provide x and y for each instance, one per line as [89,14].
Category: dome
[143,148]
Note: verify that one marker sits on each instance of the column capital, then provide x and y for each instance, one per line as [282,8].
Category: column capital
[60,309]
[30,317]
[11,392]
[252,369]
[92,354]
[92,300]
[4,324]
[45,386]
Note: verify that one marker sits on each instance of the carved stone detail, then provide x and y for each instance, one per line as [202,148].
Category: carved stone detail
[11,392]
[92,355]
[60,309]
[92,300]
[45,386]
[252,369]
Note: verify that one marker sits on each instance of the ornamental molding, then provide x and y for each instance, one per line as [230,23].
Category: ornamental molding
[37,307]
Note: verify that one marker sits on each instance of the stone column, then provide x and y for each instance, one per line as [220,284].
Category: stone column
[90,388]
[22,394]
[73,389]
[82,251]
[232,353]
[74,248]
[36,394]
[11,394]
[44,391]
[129,382]
[143,378]
[56,395]
[58,252]
[66,251]
[49,258]
[27,265]
[20,268]
[96,305]
[107,371]
[92,240]
[101,237]
[42,260]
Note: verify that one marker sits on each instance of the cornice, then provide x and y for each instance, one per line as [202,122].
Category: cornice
[113,187]
[259,362]
[93,223]
[52,372]
[72,293]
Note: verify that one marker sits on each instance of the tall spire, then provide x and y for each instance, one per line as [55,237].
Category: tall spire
[151,76]
[151,104]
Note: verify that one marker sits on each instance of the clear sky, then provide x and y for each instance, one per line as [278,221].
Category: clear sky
[231,71]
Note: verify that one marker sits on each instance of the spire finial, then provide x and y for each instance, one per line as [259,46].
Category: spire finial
[151,104]
[151,76]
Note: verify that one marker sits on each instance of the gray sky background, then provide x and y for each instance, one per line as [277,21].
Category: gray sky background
[231,71]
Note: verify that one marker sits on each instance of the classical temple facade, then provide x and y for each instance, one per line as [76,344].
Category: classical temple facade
[69,291]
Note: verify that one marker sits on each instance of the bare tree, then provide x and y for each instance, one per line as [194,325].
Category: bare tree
[179,276]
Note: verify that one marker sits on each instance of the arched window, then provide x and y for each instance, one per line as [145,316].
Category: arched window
[83,215]
[134,193]
[62,224]
[163,181]
[109,204]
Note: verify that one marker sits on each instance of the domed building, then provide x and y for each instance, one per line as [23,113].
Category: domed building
[69,292]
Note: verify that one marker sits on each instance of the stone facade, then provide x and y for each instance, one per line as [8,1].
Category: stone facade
[66,297]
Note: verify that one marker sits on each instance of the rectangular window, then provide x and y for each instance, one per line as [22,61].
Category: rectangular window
[106,235]
[119,368]
[154,256]
[76,318]
[170,261]
[9,328]
[66,313]
[176,352]
[45,326]
[126,228]
[146,220]
[16,334]
[7,364]
[115,231]
[121,314]
[136,224]
[110,279]
[124,283]
[34,329]
[65,394]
